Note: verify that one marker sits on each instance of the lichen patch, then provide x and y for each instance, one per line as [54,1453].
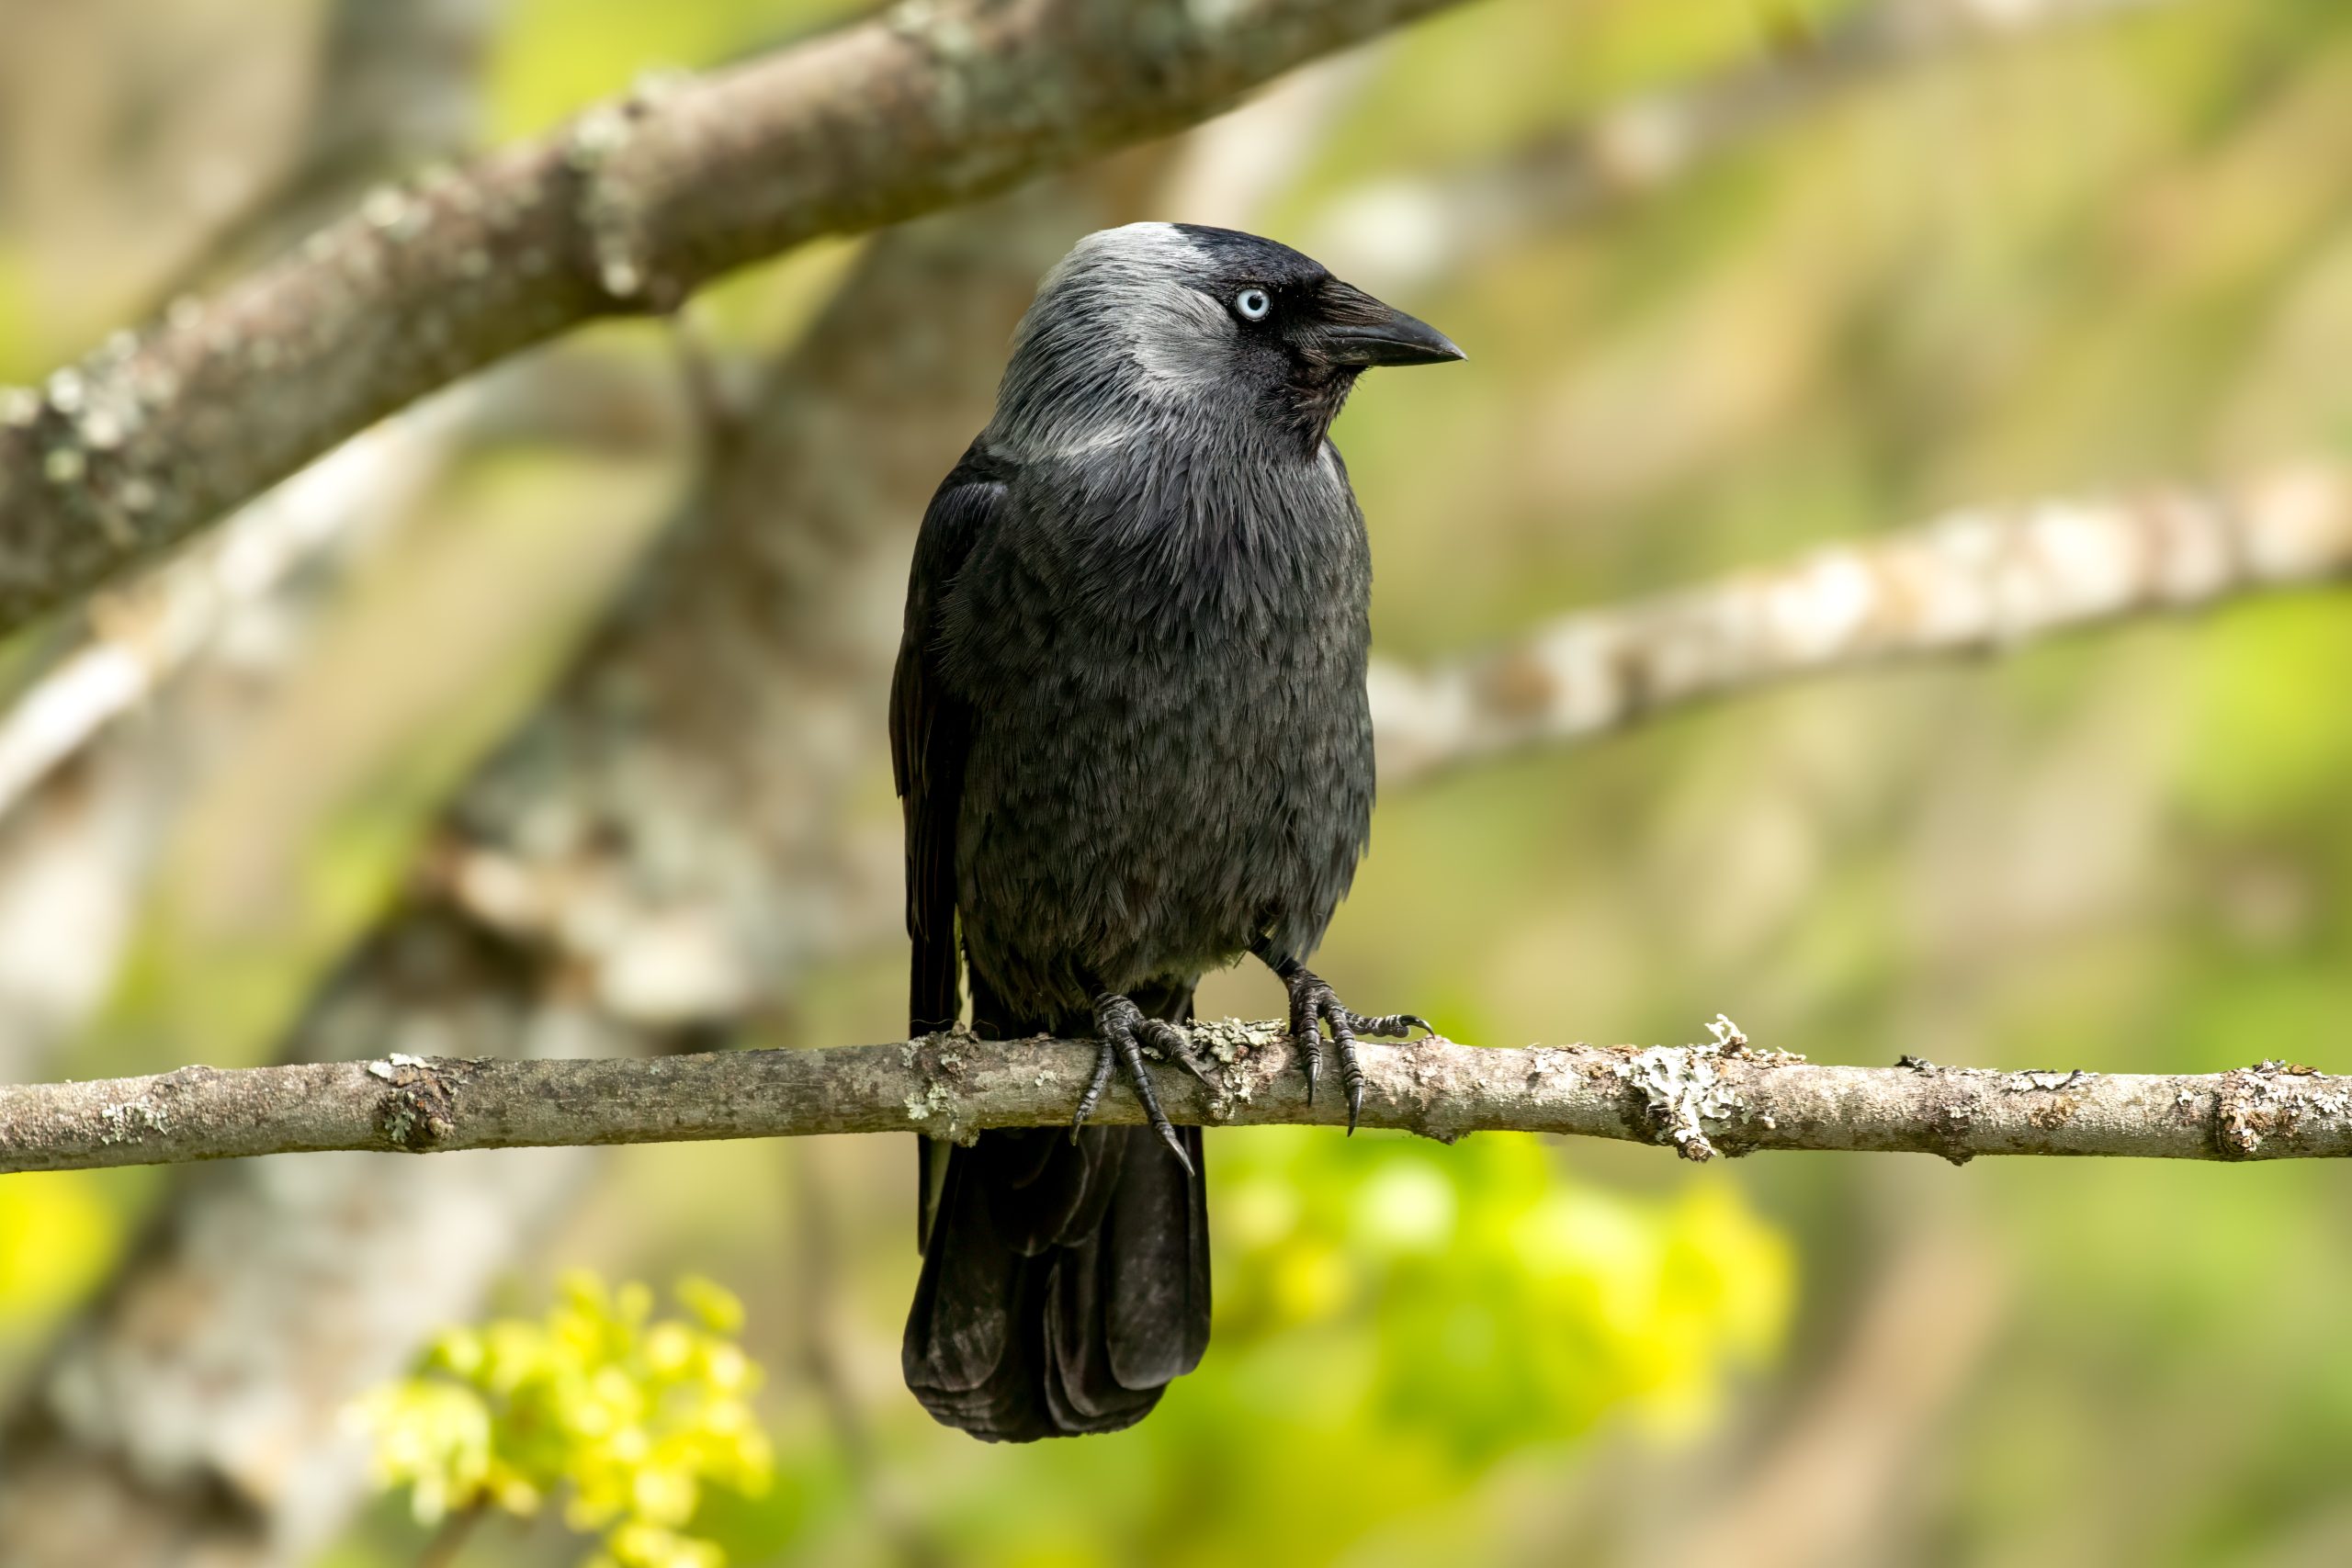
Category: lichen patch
[421,1111]
[2270,1100]
[132,1120]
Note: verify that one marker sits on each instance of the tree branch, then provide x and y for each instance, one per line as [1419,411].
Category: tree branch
[1721,1098]
[637,203]
[1978,580]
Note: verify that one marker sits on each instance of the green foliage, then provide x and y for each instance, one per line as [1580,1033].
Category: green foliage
[2260,752]
[1504,1304]
[629,1416]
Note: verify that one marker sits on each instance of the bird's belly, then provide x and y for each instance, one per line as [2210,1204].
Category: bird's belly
[1150,820]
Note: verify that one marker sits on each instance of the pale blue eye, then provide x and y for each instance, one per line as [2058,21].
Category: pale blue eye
[1253,304]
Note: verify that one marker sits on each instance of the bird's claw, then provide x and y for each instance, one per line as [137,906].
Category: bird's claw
[1314,1004]
[1173,1044]
[1123,1029]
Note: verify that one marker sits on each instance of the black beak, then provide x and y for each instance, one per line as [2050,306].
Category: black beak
[1359,329]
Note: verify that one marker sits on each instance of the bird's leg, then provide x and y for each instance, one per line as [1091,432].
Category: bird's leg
[1124,1030]
[1313,1004]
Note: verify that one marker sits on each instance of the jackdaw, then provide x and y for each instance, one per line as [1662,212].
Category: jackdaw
[1129,728]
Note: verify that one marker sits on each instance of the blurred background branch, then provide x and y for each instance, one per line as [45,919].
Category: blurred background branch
[1981,582]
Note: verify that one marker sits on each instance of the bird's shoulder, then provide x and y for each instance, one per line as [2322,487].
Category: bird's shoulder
[961,508]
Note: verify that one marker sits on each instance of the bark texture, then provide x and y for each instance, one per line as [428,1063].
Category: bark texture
[1724,1097]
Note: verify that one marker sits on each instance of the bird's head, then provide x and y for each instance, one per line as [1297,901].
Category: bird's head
[1155,314]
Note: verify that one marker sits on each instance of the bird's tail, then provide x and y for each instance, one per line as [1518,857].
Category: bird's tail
[1065,1282]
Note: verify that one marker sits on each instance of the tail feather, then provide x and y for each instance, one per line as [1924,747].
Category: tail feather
[1156,1266]
[1082,1388]
[1065,1283]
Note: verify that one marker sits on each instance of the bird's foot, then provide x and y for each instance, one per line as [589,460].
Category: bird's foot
[1125,1032]
[1314,1004]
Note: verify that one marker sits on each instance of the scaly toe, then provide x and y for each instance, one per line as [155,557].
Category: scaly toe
[1158,1118]
[1122,1028]
[1104,1061]
[1307,1039]
[1352,1074]
[1177,1046]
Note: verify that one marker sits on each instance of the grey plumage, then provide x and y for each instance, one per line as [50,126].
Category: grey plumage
[1130,727]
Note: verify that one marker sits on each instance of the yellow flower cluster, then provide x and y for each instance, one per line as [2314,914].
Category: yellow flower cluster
[627,1416]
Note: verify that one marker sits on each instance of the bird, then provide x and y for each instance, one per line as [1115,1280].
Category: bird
[1131,738]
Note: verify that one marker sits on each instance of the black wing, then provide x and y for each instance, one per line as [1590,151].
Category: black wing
[930,729]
